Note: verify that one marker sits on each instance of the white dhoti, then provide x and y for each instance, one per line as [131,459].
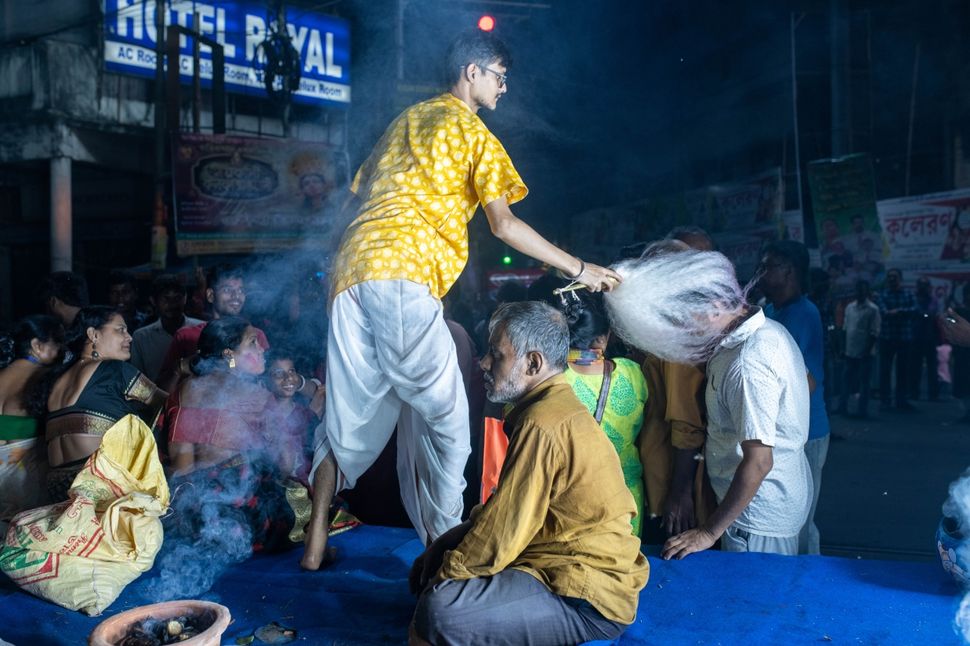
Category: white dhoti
[391,361]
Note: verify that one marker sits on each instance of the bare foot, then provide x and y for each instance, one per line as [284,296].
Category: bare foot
[312,562]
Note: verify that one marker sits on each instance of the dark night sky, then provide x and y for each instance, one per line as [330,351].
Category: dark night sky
[616,100]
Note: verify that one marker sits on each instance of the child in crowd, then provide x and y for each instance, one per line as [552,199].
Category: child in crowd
[294,421]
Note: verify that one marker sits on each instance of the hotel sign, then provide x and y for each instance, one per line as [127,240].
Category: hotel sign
[323,42]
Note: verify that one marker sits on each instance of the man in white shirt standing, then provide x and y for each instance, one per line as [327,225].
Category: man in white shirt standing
[687,307]
[862,322]
[150,343]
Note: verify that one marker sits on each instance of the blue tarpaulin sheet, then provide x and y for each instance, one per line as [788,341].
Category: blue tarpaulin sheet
[708,598]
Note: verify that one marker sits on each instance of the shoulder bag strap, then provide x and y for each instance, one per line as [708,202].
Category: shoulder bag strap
[604,391]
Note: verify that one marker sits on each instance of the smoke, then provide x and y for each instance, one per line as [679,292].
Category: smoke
[674,305]
[957,507]
[206,533]
[224,511]
[963,618]
[221,514]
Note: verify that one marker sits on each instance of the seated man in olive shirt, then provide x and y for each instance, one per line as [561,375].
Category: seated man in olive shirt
[550,558]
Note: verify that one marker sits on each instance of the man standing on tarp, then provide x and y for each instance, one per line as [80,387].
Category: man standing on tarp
[784,280]
[391,360]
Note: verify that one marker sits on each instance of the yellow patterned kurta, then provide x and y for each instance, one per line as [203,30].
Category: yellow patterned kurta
[418,189]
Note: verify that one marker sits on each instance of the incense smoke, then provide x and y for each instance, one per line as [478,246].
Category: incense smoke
[206,533]
[675,304]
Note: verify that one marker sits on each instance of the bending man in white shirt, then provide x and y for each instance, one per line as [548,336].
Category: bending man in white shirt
[686,306]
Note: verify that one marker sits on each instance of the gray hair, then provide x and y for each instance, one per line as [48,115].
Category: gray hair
[534,326]
[670,301]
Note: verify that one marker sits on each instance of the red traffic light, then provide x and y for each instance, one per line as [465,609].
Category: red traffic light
[486,23]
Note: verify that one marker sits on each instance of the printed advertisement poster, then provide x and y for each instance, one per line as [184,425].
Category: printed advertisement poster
[917,233]
[793,225]
[844,205]
[929,235]
[927,229]
[740,215]
[749,204]
[744,247]
[245,195]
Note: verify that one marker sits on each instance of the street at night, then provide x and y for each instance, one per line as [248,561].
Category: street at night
[484,322]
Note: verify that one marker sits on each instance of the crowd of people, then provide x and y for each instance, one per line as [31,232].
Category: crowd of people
[895,342]
[69,375]
[655,402]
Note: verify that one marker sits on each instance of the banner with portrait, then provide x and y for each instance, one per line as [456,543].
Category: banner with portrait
[929,235]
[927,229]
[849,236]
[793,226]
[740,215]
[245,195]
[753,203]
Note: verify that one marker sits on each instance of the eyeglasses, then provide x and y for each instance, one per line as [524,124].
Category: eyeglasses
[501,77]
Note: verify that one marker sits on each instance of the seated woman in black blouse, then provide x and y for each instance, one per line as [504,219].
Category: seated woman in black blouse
[87,395]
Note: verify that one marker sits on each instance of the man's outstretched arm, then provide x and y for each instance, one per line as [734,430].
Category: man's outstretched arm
[508,228]
[678,512]
[751,472]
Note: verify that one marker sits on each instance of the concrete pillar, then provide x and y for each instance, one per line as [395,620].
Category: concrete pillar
[61,229]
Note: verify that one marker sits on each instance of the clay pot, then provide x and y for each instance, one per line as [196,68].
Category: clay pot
[112,630]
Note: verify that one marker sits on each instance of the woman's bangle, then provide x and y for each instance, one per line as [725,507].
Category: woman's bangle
[582,270]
